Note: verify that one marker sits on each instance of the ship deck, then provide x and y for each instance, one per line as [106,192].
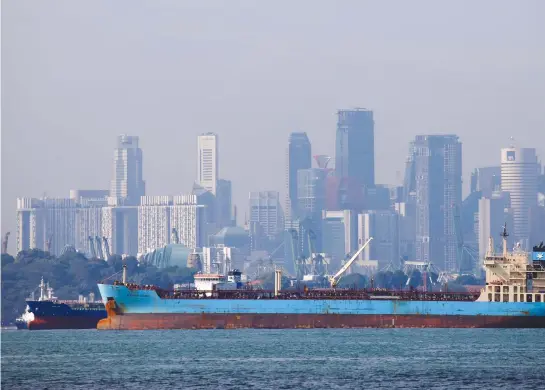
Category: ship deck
[312,294]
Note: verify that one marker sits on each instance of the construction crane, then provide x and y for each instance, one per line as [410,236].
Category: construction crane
[106,247]
[99,247]
[174,236]
[5,243]
[48,243]
[92,250]
[335,278]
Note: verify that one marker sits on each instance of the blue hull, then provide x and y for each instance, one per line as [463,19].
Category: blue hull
[148,302]
[60,315]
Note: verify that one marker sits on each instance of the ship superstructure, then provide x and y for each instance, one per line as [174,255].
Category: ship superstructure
[513,297]
[512,276]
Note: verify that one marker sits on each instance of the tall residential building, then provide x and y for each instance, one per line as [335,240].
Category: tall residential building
[264,210]
[127,183]
[208,165]
[486,180]
[437,168]
[354,155]
[40,221]
[299,156]
[519,173]
[88,218]
[158,215]
[120,227]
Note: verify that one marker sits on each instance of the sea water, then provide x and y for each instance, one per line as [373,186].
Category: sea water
[275,359]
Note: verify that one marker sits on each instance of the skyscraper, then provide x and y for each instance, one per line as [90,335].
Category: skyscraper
[299,157]
[486,180]
[354,154]
[437,163]
[519,172]
[223,203]
[265,211]
[311,192]
[127,183]
[208,166]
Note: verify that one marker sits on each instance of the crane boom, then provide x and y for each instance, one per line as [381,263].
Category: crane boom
[335,279]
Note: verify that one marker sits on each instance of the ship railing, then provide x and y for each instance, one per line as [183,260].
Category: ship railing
[309,295]
[343,294]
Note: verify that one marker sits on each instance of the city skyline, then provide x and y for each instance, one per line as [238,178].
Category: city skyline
[437,86]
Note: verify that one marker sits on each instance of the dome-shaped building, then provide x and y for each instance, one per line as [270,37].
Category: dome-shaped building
[168,256]
[233,237]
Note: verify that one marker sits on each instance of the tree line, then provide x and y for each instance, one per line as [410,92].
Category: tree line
[71,275]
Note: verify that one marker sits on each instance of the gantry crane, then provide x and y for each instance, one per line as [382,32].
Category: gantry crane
[92,247]
[106,247]
[5,243]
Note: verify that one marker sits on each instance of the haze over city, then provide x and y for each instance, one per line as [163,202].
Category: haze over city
[75,76]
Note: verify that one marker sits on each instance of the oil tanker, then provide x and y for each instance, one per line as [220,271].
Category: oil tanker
[47,312]
[513,297]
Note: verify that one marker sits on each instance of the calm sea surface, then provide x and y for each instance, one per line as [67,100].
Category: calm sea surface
[275,359]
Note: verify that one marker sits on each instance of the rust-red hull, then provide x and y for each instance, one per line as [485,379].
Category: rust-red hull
[51,322]
[287,321]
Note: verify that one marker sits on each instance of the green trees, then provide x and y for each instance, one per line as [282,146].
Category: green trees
[71,275]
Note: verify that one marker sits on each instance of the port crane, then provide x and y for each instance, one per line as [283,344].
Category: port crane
[99,247]
[92,248]
[5,243]
[48,243]
[335,278]
[106,247]
[174,238]
[316,260]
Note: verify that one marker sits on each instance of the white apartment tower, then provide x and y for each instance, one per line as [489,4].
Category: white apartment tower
[158,215]
[519,172]
[208,167]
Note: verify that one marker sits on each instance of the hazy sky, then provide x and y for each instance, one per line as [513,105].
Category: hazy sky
[75,74]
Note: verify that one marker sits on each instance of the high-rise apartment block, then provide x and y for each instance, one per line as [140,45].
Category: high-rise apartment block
[41,222]
[127,184]
[158,215]
[519,173]
[437,171]
[208,164]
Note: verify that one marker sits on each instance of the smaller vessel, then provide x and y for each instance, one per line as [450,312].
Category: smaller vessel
[48,312]
[22,321]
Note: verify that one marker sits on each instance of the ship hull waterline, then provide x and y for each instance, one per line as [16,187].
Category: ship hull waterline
[310,321]
[53,322]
